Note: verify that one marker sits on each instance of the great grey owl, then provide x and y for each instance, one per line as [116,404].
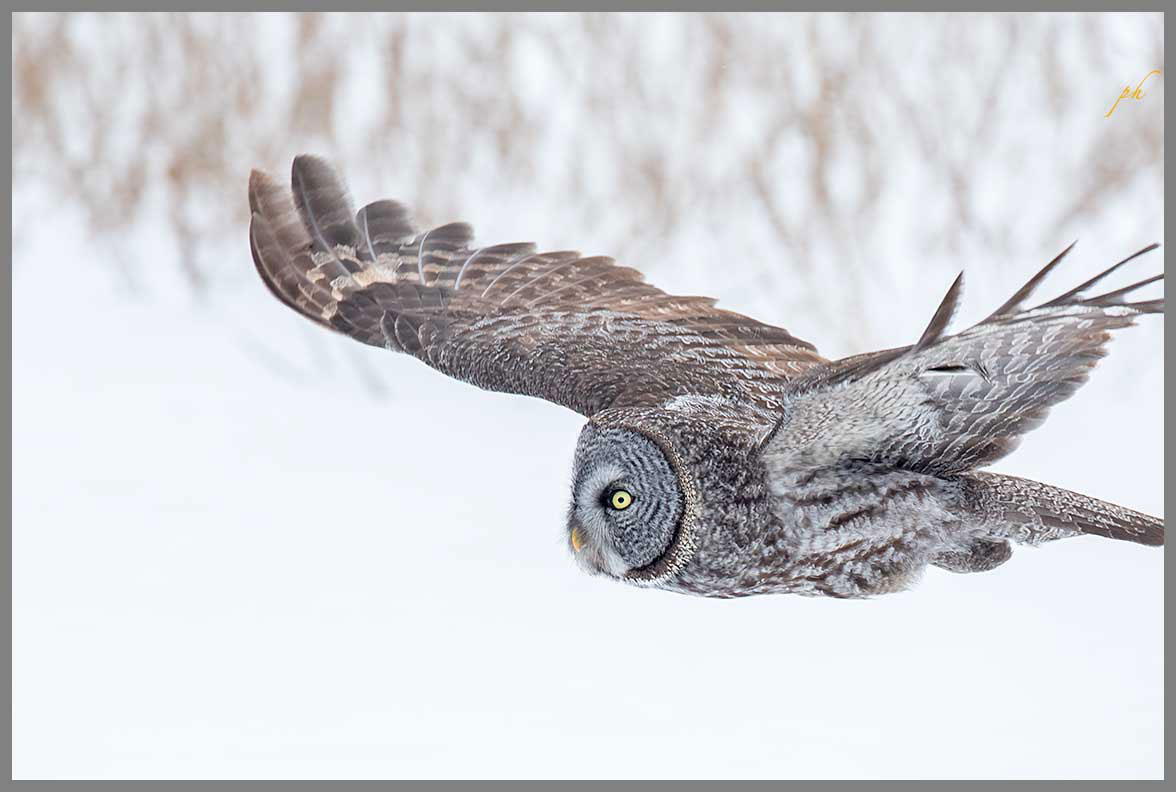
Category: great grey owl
[722,456]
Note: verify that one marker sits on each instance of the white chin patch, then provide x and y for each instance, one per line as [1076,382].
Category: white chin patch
[600,560]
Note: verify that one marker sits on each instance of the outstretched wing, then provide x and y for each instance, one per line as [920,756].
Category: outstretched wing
[949,404]
[581,332]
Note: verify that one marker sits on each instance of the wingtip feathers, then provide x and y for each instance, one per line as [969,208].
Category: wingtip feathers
[943,315]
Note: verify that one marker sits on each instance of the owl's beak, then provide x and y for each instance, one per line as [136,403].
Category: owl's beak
[577,539]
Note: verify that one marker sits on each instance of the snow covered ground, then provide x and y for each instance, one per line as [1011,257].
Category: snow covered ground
[229,564]
[223,572]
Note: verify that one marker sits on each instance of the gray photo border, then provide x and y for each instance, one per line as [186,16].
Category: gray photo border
[6,303]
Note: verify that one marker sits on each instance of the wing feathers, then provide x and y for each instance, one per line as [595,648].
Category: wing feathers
[436,251]
[950,404]
[286,276]
[580,331]
[1081,288]
[942,317]
[1007,371]
[1116,297]
[326,213]
[384,226]
[1014,303]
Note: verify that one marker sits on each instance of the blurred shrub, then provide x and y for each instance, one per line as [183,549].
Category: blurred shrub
[816,152]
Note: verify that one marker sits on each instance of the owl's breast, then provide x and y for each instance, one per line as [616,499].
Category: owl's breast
[851,531]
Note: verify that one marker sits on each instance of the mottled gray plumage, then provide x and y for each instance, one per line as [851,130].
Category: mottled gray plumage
[722,456]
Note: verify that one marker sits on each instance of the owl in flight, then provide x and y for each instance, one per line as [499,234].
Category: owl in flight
[722,456]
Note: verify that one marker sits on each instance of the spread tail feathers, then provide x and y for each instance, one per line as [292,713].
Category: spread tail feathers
[1030,512]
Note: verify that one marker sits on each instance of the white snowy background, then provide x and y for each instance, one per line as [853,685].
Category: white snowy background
[246,548]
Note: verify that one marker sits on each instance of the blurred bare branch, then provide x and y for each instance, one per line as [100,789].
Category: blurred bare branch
[645,136]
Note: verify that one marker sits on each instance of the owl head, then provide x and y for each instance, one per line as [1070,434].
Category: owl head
[633,509]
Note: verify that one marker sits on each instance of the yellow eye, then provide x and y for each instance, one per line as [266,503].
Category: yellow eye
[620,500]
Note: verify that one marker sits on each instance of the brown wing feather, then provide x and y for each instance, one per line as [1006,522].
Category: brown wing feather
[582,332]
